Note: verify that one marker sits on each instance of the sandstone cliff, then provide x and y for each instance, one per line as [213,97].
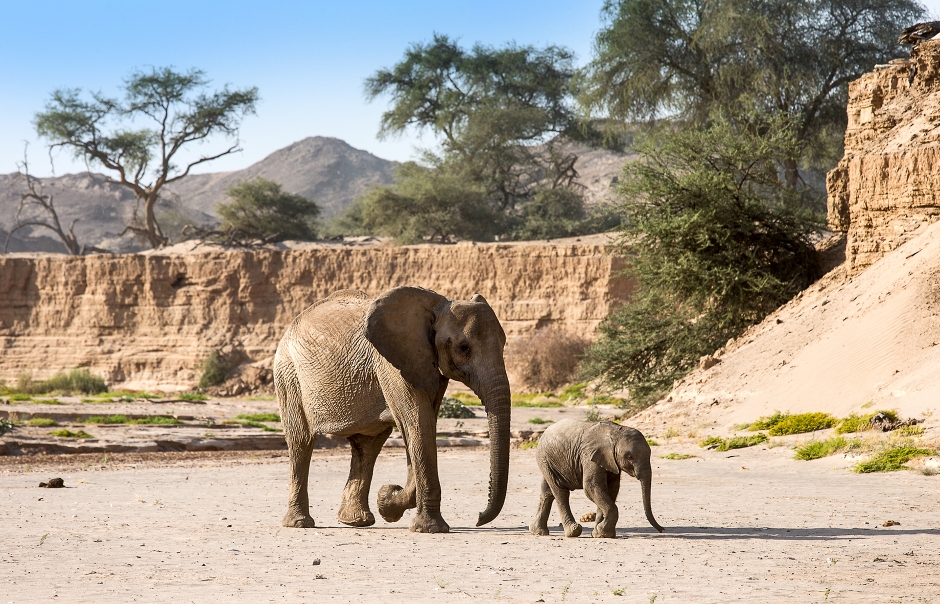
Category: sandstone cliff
[147,320]
[885,189]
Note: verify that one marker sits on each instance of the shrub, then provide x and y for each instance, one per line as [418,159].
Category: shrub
[76,380]
[259,417]
[824,448]
[451,408]
[545,360]
[767,422]
[44,422]
[735,442]
[6,426]
[716,241]
[857,423]
[892,459]
[69,434]
[803,422]
[215,370]
[652,442]
[574,392]
[259,208]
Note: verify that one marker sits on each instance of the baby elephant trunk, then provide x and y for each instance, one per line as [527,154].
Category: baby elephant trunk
[646,480]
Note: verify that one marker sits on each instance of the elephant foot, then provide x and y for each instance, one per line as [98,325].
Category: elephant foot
[390,510]
[540,531]
[429,523]
[354,515]
[573,530]
[599,533]
[295,520]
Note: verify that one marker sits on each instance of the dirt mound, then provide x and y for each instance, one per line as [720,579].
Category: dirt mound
[849,343]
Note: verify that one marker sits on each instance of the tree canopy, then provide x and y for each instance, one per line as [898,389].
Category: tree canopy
[107,133]
[501,117]
[691,59]
[260,209]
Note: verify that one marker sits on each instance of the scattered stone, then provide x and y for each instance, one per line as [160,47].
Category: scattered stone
[54,483]
[589,517]
[320,577]
[891,523]
[707,362]
[316,562]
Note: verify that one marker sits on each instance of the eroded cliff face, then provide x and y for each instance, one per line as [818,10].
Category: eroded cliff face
[886,188]
[148,320]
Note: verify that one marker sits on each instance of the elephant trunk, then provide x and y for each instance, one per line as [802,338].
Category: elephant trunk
[646,480]
[495,397]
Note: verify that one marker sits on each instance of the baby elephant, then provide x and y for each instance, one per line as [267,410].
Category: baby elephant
[573,454]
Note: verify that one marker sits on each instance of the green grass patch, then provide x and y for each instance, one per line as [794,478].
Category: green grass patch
[259,417]
[466,398]
[802,423]
[824,448]
[678,456]
[650,441]
[539,420]
[46,401]
[908,431]
[76,380]
[530,445]
[603,399]
[535,399]
[735,442]
[766,422]
[19,397]
[193,396]
[44,422]
[573,392]
[122,419]
[106,419]
[892,459]
[157,420]
[69,434]
[251,424]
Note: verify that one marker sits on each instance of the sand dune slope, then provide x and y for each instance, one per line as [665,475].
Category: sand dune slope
[843,343]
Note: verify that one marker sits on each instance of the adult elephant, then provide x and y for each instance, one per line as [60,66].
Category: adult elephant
[357,367]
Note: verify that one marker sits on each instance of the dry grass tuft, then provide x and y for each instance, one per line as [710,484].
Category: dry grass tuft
[546,360]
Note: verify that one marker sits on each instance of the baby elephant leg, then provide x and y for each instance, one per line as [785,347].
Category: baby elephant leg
[539,525]
[572,528]
[603,492]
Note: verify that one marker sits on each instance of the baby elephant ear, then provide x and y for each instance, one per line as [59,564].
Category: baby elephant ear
[479,298]
[399,324]
[600,446]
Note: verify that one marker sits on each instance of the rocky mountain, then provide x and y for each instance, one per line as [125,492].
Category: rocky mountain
[327,170]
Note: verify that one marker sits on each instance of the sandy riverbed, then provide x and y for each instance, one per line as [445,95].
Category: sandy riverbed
[752,525]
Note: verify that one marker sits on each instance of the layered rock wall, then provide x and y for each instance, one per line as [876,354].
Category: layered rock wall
[148,320]
[887,186]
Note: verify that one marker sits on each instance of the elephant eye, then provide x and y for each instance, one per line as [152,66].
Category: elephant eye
[464,348]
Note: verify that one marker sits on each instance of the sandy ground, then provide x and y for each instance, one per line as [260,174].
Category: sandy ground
[750,525]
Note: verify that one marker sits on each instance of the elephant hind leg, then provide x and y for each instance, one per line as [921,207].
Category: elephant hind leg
[539,525]
[354,510]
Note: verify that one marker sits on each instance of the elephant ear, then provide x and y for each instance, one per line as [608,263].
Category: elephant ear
[479,298]
[599,446]
[398,323]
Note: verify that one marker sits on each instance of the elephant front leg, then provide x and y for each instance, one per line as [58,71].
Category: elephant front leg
[539,525]
[421,426]
[603,492]
[354,510]
[393,500]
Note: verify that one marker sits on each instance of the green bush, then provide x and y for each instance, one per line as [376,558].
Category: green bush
[259,417]
[76,380]
[451,408]
[735,442]
[857,423]
[715,241]
[215,370]
[803,422]
[824,448]
[44,422]
[892,459]
[259,208]
[6,426]
[768,422]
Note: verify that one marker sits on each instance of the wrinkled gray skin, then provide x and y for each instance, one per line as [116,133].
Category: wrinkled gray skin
[590,455]
[357,367]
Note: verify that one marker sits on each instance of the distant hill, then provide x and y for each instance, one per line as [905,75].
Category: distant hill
[327,170]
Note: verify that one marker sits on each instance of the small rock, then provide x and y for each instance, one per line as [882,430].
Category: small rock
[589,517]
[320,577]
[708,361]
[891,523]
[316,561]
[54,483]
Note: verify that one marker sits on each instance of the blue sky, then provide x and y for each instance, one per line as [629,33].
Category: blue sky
[308,59]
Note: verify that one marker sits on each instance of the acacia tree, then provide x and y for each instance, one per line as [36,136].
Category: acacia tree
[497,113]
[105,132]
[757,58]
